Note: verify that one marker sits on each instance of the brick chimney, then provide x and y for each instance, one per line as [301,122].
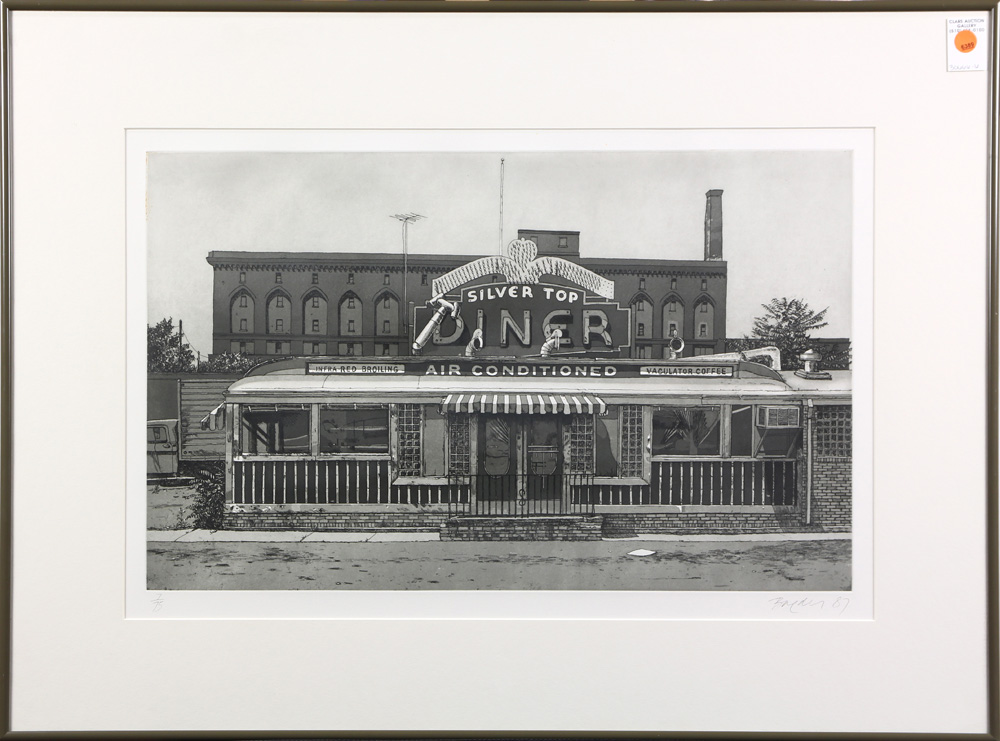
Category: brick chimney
[713,225]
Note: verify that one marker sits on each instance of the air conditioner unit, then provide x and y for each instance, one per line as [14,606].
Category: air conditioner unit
[778,417]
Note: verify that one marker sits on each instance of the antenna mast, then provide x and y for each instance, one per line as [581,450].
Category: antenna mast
[500,246]
[406,220]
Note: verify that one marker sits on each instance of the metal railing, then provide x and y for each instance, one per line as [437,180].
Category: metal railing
[277,481]
[522,494]
[710,482]
[311,481]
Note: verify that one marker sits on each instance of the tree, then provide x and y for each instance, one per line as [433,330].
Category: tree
[165,353]
[229,362]
[787,324]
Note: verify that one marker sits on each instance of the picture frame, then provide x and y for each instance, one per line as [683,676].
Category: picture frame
[159,79]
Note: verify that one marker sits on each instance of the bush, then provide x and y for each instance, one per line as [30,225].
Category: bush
[209,504]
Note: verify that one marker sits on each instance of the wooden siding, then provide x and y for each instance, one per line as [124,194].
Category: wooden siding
[199,396]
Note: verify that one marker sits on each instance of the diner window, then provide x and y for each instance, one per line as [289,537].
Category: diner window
[672,329]
[408,423]
[279,325]
[459,444]
[315,325]
[348,430]
[243,301]
[243,325]
[277,277]
[703,330]
[433,444]
[497,445]
[581,444]
[778,443]
[279,302]
[386,349]
[632,447]
[606,439]
[833,431]
[741,432]
[686,431]
[284,431]
[350,325]
[704,350]
[350,303]
[640,329]
[315,302]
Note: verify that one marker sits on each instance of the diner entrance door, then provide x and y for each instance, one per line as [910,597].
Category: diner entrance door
[520,466]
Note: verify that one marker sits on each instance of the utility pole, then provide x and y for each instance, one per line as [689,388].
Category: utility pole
[406,220]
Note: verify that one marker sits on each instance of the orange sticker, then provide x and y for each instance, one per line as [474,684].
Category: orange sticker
[965,41]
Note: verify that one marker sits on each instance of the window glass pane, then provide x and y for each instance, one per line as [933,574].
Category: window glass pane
[434,436]
[354,431]
[284,431]
[742,431]
[606,445]
[544,445]
[686,431]
[779,443]
[496,446]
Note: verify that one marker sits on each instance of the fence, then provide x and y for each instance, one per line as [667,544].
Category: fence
[679,482]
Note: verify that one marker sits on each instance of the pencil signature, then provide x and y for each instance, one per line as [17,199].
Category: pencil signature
[808,604]
[157,602]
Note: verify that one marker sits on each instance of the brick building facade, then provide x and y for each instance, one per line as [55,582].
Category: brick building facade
[275,304]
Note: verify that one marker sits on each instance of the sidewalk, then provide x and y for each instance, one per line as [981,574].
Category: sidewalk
[299,536]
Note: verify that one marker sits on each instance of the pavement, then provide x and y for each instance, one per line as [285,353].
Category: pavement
[299,536]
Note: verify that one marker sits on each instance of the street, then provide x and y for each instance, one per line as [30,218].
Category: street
[606,565]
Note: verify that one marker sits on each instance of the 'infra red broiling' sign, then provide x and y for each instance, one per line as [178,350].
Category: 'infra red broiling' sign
[516,319]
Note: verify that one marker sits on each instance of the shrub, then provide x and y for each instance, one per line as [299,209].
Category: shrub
[210,501]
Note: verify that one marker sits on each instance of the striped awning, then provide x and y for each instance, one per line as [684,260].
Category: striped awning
[215,419]
[524,403]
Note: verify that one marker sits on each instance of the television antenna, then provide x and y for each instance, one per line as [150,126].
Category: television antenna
[406,219]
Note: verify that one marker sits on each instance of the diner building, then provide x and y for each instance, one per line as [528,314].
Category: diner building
[522,413]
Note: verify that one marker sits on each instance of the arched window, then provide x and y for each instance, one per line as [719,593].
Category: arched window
[314,313]
[673,317]
[387,314]
[704,320]
[350,314]
[641,319]
[241,312]
[279,314]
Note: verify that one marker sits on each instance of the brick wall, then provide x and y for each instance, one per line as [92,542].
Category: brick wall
[629,523]
[831,491]
[336,521]
[522,528]
[831,500]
